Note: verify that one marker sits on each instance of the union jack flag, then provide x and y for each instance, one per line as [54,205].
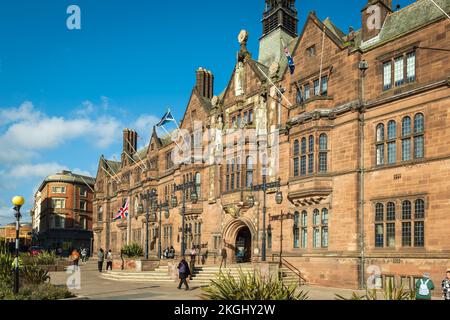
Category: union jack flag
[123,212]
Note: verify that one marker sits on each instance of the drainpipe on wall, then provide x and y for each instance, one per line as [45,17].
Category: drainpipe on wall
[363,66]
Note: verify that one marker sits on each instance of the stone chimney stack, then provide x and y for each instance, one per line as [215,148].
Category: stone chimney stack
[205,83]
[373,16]
[129,141]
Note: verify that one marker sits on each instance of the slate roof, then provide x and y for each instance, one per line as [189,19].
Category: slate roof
[410,18]
[68,177]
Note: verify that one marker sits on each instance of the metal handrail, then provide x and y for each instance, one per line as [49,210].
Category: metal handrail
[297,272]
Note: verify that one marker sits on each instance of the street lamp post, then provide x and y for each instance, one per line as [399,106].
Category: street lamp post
[281,218]
[18,203]
[279,199]
[194,198]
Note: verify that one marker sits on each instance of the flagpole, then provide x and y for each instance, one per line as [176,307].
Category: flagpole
[87,184]
[162,126]
[131,158]
[117,181]
[135,151]
[443,11]
[321,60]
[270,81]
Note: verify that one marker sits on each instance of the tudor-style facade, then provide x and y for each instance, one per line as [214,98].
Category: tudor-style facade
[360,131]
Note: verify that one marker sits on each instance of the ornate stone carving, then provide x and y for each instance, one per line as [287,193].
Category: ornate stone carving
[261,116]
[239,79]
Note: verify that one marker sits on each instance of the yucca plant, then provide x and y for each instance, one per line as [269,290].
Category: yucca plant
[251,286]
[35,274]
[46,258]
[389,293]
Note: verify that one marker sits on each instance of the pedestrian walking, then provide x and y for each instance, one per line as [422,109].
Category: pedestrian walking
[224,256]
[109,260]
[424,287]
[75,257]
[184,272]
[446,286]
[84,255]
[101,258]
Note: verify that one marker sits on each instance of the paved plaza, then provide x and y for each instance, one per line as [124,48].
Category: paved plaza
[93,286]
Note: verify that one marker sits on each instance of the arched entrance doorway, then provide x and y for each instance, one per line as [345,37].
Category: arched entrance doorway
[243,245]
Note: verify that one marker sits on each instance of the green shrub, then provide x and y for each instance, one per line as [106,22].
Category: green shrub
[251,286]
[34,274]
[46,258]
[6,269]
[388,293]
[45,291]
[132,251]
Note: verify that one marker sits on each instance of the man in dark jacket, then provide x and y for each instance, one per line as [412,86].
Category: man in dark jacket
[184,272]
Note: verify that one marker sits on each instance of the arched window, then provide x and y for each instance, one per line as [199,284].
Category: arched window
[390,211]
[325,217]
[100,214]
[379,212]
[392,144]
[296,229]
[419,223]
[249,173]
[296,160]
[303,159]
[304,221]
[380,132]
[380,144]
[419,209]
[419,123]
[406,210]
[406,126]
[323,153]
[406,139]
[311,155]
[316,229]
[419,140]
[406,223]
[324,233]
[198,181]
[392,130]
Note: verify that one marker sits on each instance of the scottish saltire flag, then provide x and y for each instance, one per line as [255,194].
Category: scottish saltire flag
[290,60]
[168,117]
[123,212]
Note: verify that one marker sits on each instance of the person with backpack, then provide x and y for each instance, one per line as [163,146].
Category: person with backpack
[446,286]
[424,287]
[184,272]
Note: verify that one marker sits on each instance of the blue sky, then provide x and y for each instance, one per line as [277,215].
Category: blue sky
[66,95]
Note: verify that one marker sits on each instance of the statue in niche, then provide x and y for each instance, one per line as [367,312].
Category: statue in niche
[261,116]
[212,178]
[239,79]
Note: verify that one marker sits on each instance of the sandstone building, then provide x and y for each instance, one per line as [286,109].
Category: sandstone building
[356,135]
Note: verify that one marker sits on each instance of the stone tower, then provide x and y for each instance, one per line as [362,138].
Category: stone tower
[279,27]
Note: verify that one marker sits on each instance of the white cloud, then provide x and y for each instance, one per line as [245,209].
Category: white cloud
[30,130]
[87,108]
[25,112]
[6,215]
[144,124]
[40,170]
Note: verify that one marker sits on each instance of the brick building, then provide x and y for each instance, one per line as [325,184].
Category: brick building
[62,211]
[356,135]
